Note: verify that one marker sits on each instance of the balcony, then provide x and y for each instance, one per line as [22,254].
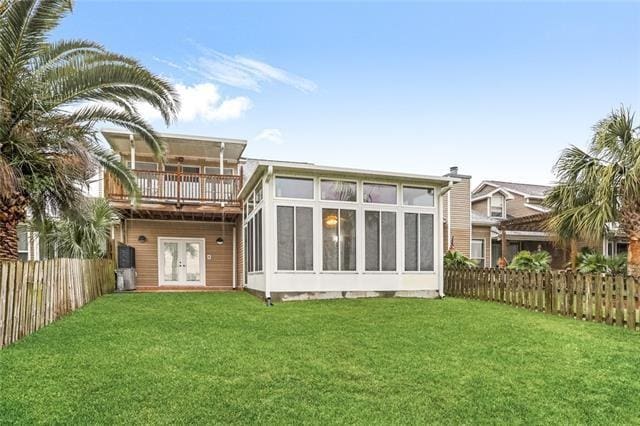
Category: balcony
[178,188]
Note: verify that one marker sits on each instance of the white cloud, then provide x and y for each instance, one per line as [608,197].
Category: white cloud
[203,102]
[270,135]
[239,71]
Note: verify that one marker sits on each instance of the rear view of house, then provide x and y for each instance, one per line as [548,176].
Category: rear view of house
[281,230]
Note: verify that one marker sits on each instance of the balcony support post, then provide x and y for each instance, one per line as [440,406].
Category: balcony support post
[132,162]
[222,158]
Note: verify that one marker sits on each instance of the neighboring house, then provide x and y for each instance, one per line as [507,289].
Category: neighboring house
[294,230]
[497,204]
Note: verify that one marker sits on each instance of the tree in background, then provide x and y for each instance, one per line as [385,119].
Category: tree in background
[83,234]
[52,94]
[600,186]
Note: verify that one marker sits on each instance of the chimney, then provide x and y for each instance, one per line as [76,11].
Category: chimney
[453,171]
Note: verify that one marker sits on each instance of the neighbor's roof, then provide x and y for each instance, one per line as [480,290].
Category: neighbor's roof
[480,219]
[261,166]
[524,189]
[178,145]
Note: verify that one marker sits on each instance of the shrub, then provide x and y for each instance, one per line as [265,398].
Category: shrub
[455,259]
[537,261]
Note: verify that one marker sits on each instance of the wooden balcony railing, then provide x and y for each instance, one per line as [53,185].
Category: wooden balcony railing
[179,188]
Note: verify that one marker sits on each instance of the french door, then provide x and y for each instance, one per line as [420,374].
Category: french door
[181,261]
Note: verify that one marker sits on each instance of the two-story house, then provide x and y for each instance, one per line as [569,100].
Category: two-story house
[187,226]
[208,218]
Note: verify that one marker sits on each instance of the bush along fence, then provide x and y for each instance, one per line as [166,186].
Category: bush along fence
[34,294]
[603,298]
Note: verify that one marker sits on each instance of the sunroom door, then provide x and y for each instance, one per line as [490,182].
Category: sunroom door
[181,261]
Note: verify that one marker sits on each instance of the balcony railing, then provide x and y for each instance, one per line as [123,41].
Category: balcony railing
[179,188]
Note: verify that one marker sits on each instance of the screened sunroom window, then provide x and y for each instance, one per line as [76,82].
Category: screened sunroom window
[380,241]
[295,238]
[338,240]
[379,193]
[338,190]
[294,188]
[418,242]
[413,196]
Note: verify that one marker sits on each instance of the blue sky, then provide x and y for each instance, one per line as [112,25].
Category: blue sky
[497,89]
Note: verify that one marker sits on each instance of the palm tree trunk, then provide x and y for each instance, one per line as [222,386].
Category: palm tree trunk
[13,210]
[574,254]
[633,257]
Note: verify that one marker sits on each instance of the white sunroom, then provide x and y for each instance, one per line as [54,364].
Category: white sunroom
[325,232]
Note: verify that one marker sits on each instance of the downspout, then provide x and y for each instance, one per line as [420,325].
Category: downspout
[233,263]
[268,208]
[441,194]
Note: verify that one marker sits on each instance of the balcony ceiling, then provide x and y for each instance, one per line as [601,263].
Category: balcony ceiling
[179,145]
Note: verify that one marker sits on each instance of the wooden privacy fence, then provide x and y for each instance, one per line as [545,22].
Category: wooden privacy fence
[34,294]
[592,297]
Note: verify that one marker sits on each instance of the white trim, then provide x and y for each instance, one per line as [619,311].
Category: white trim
[507,195]
[540,209]
[203,269]
[403,186]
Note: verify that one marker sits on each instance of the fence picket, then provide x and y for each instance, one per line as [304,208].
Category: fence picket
[588,297]
[33,294]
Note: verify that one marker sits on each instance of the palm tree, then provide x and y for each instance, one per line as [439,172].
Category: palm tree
[52,94]
[600,186]
[537,261]
[83,234]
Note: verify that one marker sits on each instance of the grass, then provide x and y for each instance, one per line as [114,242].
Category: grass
[226,358]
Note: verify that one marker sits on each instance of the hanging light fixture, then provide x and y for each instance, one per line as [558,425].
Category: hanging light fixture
[331,220]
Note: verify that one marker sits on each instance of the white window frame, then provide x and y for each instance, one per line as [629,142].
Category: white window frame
[504,205]
[424,210]
[358,228]
[313,180]
[418,187]
[338,180]
[484,243]
[295,235]
[373,182]
[364,240]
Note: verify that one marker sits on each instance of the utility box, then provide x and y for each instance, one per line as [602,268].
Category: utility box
[126,256]
[126,272]
[125,279]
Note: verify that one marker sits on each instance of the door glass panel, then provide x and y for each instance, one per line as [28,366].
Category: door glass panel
[192,261]
[171,265]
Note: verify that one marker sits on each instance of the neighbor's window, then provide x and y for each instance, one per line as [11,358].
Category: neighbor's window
[294,188]
[338,240]
[23,244]
[380,241]
[412,196]
[295,238]
[418,242]
[379,193]
[477,252]
[338,190]
[497,205]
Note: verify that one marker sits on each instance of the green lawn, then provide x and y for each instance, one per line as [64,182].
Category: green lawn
[196,358]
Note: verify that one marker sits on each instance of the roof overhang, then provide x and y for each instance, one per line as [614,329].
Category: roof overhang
[502,191]
[187,146]
[527,236]
[342,172]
